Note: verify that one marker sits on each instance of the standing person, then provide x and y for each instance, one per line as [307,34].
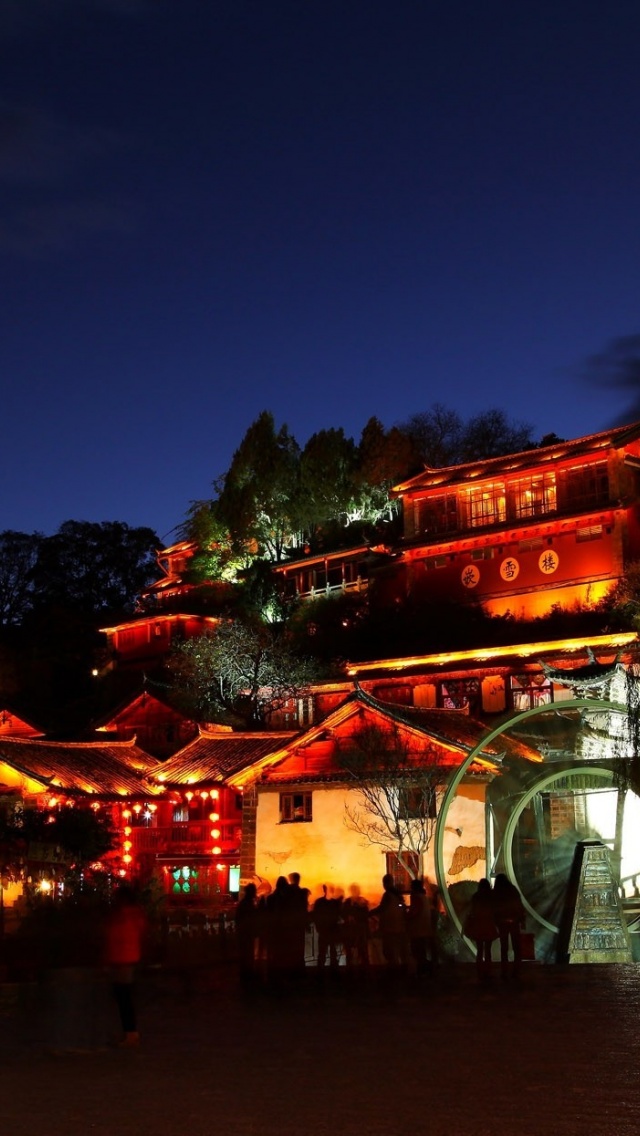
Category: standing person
[280,945]
[480,925]
[355,928]
[299,898]
[510,916]
[419,926]
[247,935]
[125,929]
[391,913]
[326,916]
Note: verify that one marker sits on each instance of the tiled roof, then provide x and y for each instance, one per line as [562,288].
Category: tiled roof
[216,755]
[449,728]
[112,769]
[489,467]
[11,726]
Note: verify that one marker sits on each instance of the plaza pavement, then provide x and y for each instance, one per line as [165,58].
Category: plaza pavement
[555,1053]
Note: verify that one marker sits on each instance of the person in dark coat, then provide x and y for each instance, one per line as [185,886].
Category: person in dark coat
[299,899]
[281,933]
[355,928]
[247,927]
[326,917]
[510,917]
[391,913]
[419,926]
[480,925]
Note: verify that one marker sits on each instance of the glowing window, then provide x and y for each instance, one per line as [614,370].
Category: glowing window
[295,808]
[437,514]
[185,880]
[535,495]
[530,690]
[486,505]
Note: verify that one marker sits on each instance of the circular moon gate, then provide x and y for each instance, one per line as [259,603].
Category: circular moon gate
[452,788]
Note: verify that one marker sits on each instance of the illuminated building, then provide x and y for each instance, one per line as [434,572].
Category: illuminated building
[157,727]
[297,798]
[525,532]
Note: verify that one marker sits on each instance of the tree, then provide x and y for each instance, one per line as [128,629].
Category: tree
[327,487]
[95,567]
[435,436]
[491,435]
[398,778]
[441,438]
[242,672]
[82,836]
[385,457]
[259,498]
[18,557]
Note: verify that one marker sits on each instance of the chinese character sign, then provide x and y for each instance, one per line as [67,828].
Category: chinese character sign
[509,568]
[548,562]
[470,576]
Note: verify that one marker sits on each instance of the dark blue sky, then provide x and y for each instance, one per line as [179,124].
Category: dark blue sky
[325,208]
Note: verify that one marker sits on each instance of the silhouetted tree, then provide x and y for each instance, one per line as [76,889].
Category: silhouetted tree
[95,567]
[398,784]
[18,557]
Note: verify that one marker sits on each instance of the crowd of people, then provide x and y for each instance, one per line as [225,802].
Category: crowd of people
[272,928]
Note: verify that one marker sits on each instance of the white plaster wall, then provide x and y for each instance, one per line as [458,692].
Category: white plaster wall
[326,851]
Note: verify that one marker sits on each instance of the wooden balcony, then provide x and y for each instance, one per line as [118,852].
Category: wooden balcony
[185,837]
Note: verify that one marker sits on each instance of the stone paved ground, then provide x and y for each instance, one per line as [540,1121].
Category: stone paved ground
[556,1054]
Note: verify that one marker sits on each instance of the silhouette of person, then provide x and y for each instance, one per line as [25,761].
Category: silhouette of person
[480,925]
[510,916]
[247,926]
[355,928]
[391,913]
[419,926]
[299,899]
[125,928]
[326,916]
[281,936]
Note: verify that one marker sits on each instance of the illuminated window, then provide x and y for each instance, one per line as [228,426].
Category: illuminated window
[437,514]
[298,711]
[486,505]
[585,486]
[399,869]
[461,694]
[535,495]
[295,808]
[185,881]
[417,802]
[530,690]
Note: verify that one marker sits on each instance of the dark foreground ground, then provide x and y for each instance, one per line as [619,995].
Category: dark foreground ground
[555,1053]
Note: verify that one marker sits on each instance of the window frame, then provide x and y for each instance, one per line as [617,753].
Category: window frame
[291,812]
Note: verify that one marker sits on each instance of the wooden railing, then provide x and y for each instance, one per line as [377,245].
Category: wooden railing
[183,835]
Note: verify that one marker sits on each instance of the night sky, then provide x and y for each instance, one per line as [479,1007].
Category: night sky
[325,208]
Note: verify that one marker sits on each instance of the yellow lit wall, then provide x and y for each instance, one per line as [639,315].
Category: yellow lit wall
[326,851]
